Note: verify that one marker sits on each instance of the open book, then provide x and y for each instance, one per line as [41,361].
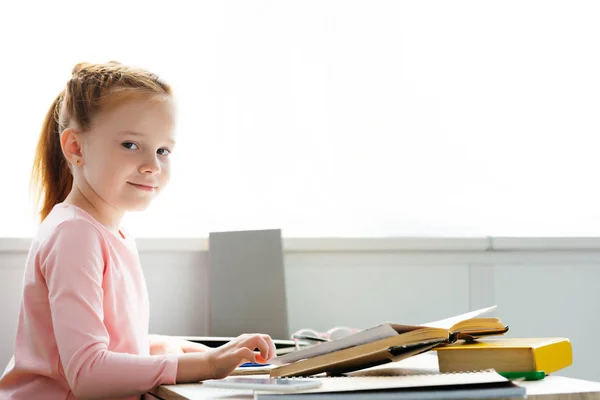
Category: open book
[384,343]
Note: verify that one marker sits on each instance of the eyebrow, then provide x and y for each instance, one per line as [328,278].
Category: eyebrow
[134,133]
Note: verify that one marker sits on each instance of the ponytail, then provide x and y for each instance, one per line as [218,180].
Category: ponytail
[51,177]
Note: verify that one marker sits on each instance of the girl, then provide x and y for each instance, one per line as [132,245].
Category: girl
[83,323]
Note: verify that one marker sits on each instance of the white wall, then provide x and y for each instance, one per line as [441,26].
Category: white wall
[542,287]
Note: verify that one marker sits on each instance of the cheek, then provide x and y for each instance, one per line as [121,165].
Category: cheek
[101,179]
[165,175]
[103,171]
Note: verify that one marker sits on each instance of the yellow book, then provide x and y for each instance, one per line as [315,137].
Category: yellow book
[507,355]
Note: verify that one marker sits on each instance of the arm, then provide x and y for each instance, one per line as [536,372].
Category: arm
[160,344]
[73,269]
[192,347]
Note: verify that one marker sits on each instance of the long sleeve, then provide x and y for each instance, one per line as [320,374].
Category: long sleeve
[74,269]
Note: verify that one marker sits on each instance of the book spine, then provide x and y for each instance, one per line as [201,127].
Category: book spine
[553,357]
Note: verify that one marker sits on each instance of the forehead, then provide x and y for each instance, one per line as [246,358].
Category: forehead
[151,116]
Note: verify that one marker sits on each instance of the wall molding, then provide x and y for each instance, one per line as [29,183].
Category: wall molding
[365,245]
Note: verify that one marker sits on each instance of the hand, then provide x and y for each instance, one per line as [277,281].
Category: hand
[192,347]
[226,358]
[216,363]
[160,344]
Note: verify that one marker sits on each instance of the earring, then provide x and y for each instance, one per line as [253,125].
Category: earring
[78,161]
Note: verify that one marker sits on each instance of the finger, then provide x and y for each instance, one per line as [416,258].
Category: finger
[260,359]
[236,342]
[260,342]
[174,349]
[244,354]
[272,349]
[269,346]
[158,349]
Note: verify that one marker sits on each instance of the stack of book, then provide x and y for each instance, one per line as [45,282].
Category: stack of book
[373,362]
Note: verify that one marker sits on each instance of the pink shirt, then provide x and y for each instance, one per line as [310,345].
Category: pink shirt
[83,324]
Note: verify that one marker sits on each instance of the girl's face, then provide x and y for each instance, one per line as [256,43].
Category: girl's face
[126,153]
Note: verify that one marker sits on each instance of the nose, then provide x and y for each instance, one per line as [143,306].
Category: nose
[151,165]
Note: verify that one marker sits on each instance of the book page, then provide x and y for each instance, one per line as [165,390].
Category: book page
[449,322]
[369,335]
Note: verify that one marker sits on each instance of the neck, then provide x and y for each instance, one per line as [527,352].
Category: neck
[102,212]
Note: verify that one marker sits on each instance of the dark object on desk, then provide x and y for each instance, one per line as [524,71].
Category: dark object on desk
[281,346]
[247,285]
[217,341]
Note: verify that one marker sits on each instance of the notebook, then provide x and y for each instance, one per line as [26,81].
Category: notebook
[468,385]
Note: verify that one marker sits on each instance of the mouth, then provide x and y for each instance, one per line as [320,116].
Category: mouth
[147,188]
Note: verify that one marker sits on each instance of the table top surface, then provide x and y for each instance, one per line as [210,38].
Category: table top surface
[553,387]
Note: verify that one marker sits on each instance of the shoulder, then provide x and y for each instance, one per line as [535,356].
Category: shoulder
[71,223]
[71,241]
[78,230]
[65,221]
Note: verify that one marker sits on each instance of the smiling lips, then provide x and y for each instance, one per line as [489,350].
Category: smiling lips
[147,188]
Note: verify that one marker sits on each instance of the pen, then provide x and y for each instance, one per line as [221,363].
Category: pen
[526,375]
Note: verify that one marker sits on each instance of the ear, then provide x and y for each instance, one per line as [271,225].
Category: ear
[70,142]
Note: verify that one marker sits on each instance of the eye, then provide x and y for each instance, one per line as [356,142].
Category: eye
[163,152]
[130,145]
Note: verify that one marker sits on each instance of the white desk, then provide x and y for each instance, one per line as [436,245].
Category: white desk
[550,388]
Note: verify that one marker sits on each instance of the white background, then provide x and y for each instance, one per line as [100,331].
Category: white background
[335,118]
